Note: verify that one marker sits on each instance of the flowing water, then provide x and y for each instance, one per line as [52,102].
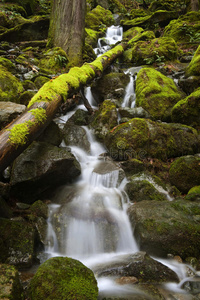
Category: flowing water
[88,219]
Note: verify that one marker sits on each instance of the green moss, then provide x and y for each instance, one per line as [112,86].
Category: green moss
[82,74]
[54,60]
[39,114]
[63,278]
[195,189]
[91,36]
[18,134]
[7,64]
[45,94]
[194,66]
[156,93]
[153,50]
[187,111]
[185,28]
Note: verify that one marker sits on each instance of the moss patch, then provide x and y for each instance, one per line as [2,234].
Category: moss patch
[63,278]
[156,93]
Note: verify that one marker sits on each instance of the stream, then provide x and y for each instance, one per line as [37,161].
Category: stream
[88,220]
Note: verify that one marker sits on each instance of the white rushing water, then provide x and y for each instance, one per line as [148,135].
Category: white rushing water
[89,220]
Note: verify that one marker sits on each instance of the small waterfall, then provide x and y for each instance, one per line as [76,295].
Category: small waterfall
[114,34]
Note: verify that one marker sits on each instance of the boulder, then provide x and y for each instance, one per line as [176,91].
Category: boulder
[156,93]
[63,278]
[9,111]
[107,86]
[143,186]
[193,69]
[161,17]
[166,227]
[184,172]
[75,135]
[154,50]
[185,28]
[35,28]
[105,119]
[40,167]
[189,84]
[98,16]
[10,86]
[18,241]
[139,265]
[193,194]
[136,112]
[10,285]
[187,111]
[143,138]
[52,134]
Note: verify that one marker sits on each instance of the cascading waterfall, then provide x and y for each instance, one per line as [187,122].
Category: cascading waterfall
[89,220]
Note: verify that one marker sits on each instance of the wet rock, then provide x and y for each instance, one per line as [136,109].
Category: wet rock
[105,119]
[143,138]
[63,277]
[187,111]
[156,93]
[139,265]
[80,118]
[40,167]
[17,239]
[184,173]
[144,187]
[105,87]
[10,285]
[74,135]
[190,84]
[166,227]
[136,112]
[9,111]
[52,135]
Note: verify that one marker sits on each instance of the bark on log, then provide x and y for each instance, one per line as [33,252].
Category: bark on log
[19,134]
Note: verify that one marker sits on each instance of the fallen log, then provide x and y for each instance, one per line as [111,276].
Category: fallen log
[19,134]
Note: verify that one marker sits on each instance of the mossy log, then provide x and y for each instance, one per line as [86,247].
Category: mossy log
[19,134]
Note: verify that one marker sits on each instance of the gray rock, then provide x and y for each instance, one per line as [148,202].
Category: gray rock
[74,135]
[40,167]
[9,111]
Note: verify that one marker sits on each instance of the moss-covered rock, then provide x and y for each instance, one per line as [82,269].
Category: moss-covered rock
[91,37]
[105,119]
[7,64]
[10,86]
[194,66]
[187,111]
[156,93]
[28,5]
[152,51]
[40,167]
[193,194]
[10,285]
[35,28]
[142,138]
[115,6]
[98,17]
[18,243]
[161,17]
[166,227]
[144,187]
[55,60]
[184,173]
[168,5]
[185,28]
[63,278]
[108,87]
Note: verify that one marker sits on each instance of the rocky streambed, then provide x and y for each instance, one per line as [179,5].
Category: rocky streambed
[154,143]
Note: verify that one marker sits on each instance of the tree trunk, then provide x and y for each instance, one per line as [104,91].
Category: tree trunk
[194,5]
[18,135]
[67,28]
